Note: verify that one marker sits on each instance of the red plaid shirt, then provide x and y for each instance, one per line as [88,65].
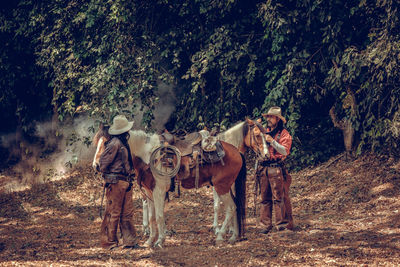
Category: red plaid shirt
[285,139]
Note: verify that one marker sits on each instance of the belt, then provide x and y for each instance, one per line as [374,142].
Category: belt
[271,164]
[121,177]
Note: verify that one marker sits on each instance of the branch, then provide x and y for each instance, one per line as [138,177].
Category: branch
[308,60]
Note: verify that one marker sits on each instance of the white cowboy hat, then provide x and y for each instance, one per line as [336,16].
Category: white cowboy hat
[274,111]
[120,125]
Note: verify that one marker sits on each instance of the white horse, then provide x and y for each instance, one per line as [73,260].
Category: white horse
[142,145]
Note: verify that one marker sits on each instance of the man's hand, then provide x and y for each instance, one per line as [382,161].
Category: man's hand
[269,138]
[132,175]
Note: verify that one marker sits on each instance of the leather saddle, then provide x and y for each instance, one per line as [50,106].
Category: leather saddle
[199,148]
[198,143]
[184,144]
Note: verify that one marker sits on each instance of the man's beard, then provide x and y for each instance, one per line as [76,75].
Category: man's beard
[270,125]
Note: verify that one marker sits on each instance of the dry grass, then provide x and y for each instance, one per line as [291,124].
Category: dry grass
[346,214]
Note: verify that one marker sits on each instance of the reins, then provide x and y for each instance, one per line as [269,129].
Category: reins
[252,138]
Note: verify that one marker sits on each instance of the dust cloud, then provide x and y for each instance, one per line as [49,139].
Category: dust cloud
[46,154]
[49,153]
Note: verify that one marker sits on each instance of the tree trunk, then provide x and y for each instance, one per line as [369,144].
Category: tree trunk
[345,124]
[347,129]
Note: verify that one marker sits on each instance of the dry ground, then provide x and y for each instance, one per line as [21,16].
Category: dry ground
[346,214]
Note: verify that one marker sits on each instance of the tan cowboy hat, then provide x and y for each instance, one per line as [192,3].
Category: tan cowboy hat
[120,125]
[274,111]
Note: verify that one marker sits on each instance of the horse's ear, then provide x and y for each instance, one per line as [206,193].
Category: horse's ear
[259,120]
[250,122]
[101,126]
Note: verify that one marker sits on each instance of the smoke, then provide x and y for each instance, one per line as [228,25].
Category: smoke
[75,145]
[164,107]
[162,111]
[48,154]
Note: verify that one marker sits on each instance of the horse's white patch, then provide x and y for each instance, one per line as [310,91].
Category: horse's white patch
[233,135]
[143,144]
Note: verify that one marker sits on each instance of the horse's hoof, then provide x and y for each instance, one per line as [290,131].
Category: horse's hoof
[219,242]
[158,245]
[232,241]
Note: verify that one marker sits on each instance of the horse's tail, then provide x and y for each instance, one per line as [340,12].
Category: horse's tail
[240,199]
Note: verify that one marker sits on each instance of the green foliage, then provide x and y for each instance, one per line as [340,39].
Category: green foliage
[225,60]
[372,72]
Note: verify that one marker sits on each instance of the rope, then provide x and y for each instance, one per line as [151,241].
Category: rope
[167,150]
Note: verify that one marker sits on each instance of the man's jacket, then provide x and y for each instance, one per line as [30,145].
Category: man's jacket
[115,158]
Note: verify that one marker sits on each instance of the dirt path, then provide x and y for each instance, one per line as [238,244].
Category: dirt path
[347,213]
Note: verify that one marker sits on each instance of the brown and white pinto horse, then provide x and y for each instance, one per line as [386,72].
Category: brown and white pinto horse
[244,135]
[228,180]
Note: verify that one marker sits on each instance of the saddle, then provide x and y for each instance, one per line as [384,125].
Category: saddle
[201,148]
[187,143]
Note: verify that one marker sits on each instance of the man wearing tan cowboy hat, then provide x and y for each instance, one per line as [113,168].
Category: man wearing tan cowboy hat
[273,176]
[116,165]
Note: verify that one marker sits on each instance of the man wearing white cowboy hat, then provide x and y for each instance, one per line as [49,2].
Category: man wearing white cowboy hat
[116,165]
[273,176]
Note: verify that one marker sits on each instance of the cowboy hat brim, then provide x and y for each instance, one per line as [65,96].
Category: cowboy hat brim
[113,131]
[279,116]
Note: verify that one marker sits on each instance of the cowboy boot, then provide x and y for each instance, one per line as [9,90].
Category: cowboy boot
[281,222]
[128,229]
[286,199]
[266,216]
[266,203]
[277,190]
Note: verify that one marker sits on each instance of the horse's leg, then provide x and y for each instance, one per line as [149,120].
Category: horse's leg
[145,226]
[217,205]
[230,219]
[162,186]
[152,224]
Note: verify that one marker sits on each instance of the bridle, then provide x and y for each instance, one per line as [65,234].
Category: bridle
[254,140]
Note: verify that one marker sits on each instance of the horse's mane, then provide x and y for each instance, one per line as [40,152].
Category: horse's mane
[102,132]
[235,134]
[143,144]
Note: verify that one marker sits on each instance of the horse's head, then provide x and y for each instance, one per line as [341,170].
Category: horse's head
[254,138]
[99,140]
